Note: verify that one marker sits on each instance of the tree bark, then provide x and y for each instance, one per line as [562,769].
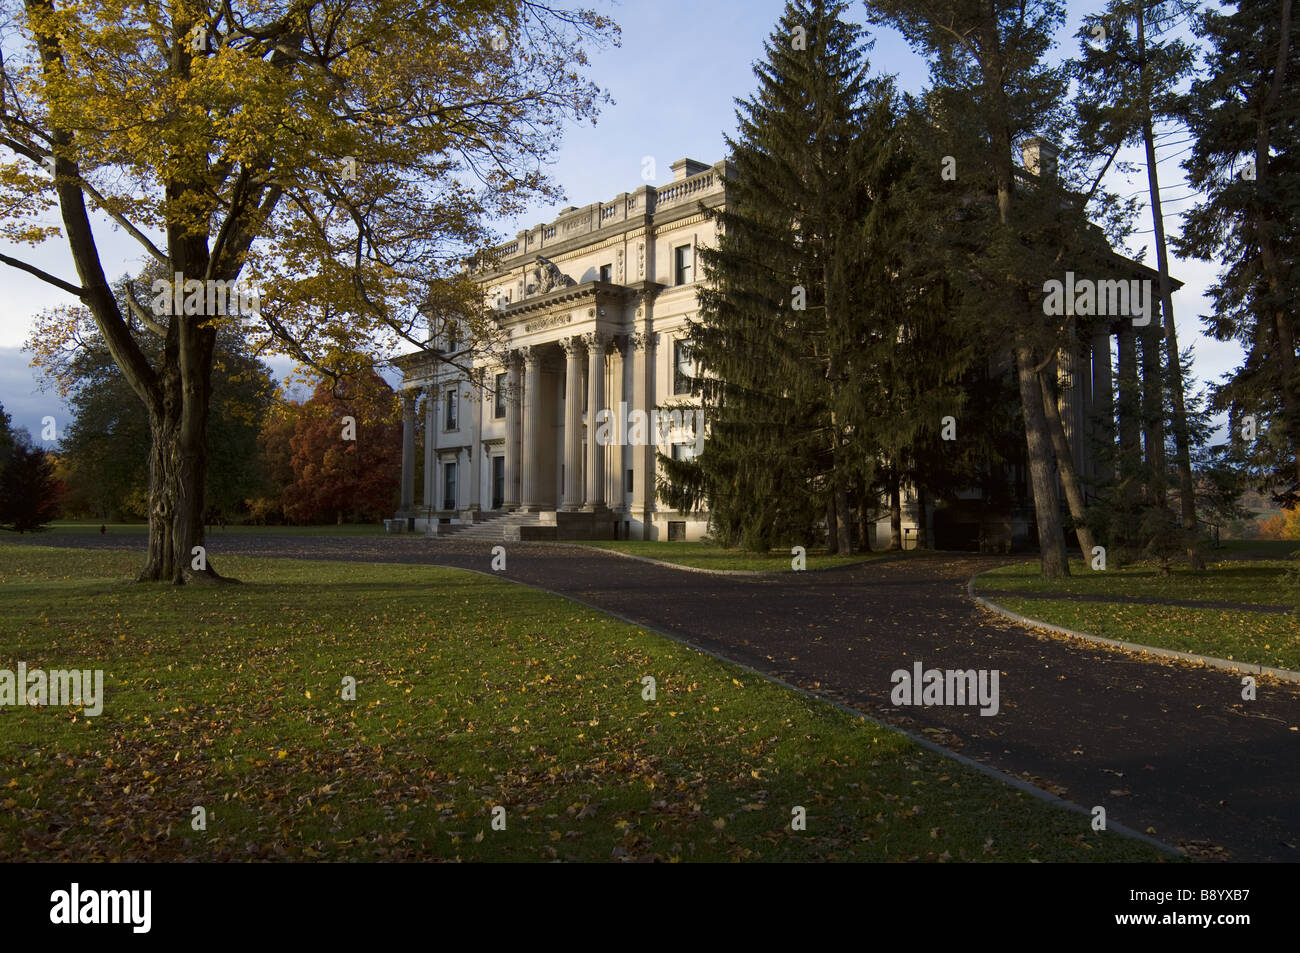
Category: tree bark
[1065,461]
[1182,443]
[1042,476]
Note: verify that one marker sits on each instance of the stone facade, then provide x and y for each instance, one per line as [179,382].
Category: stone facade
[593,308]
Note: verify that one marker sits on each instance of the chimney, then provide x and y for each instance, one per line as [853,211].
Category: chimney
[1039,157]
[685,168]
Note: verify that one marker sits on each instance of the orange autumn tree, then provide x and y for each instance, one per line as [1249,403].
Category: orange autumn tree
[346,452]
[333,161]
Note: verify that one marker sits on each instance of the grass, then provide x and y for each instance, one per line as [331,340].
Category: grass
[471,693]
[1251,637]
[701,555]
[1256,548]
[79,527]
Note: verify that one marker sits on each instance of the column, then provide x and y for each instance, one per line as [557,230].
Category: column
[595,404]
[1084,410]
[532,428]
[474,496]
[572,495]
[408,453]
[614,465]
[511,501]
[643,398]
[430,446]
[1067,362]
[1130,401]
[1103,403]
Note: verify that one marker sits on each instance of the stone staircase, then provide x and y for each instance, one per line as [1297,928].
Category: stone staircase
[495,527]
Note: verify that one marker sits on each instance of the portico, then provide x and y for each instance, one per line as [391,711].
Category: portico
[592,312]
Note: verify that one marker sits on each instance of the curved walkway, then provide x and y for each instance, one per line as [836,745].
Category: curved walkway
[1136,600]
[1167,748]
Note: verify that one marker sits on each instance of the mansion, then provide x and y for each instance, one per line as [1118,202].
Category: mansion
[594,309]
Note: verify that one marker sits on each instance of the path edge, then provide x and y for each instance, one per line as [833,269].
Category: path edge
[992,772]
[1249,668]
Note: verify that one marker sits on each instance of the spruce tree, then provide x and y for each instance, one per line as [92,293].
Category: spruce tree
[1245,116]
[1129,71]
[990,89]
[777,347]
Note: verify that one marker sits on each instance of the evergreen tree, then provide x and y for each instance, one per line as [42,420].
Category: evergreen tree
[989,91]
[29,492]
[779,344]
[1246,158]
[6,436]
[1129,71]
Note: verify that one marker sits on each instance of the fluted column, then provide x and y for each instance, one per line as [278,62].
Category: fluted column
[1103,390]
[475,451]
[408,453]
[430,446]
[595,404]
[643,399]
[511,493]
[614,466]
[1067,360]
[572,494]
[532,429]
[1130,399]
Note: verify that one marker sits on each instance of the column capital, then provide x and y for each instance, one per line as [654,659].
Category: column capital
[408,401]
[640,340]
[530,354]
[596,341]
[573,345]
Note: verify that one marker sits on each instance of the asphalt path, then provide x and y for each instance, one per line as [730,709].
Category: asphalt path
[1166,747]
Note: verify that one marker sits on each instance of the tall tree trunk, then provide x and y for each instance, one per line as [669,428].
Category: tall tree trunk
[1283,324]
[178,465]
[1182,442]
[1065,461]
[1042,476]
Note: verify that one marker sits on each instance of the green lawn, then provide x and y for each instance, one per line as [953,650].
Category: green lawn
[1253,637]
[472,692]
[709,556]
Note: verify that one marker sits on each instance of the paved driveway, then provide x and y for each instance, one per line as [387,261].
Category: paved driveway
[1161,745]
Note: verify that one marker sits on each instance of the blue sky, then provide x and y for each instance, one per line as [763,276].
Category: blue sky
[674,81]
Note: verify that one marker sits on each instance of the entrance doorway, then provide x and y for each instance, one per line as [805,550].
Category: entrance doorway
[498,482]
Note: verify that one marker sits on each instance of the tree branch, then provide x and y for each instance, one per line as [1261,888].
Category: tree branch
[44,276]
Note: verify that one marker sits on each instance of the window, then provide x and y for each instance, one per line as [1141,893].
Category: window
[683,369]
[499,397]
[452,415]
[606,272]
[449,486]
[629,481]
[676,531]
[682,264]
[451,338]
[683,452]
